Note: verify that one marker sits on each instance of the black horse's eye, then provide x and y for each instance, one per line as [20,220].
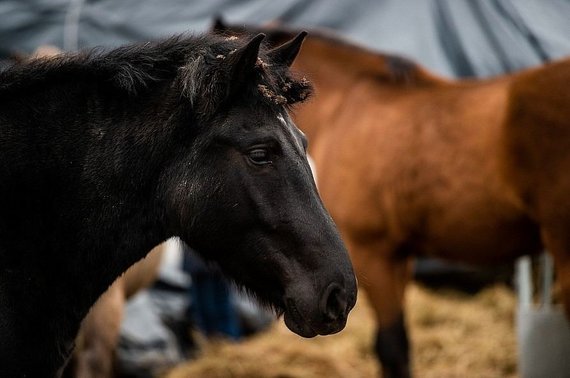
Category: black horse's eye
[259,156]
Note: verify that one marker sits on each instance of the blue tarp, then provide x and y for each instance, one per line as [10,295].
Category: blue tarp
[450,37]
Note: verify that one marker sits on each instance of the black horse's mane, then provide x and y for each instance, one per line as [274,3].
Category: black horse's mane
[137,67]
[129,67]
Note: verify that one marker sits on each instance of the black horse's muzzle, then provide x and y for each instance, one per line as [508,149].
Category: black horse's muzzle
[321,314]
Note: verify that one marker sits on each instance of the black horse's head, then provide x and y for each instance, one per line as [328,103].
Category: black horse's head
[244,195]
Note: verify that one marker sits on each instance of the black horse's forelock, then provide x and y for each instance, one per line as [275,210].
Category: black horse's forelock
[192,63]
[204,79]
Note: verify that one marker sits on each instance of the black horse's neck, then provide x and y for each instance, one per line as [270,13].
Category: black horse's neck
[97,156]
[80,163]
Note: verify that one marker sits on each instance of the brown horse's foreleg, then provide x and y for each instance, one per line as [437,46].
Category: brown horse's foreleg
[393,349]
[384,280]
[99,334]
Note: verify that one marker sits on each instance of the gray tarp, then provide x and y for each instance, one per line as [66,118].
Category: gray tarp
[451,37]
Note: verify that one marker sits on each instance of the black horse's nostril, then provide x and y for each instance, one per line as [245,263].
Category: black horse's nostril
[334,302]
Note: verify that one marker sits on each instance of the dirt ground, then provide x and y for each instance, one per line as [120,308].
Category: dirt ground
[453,335]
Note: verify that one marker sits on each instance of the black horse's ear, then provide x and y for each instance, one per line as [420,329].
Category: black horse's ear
[241,62]
[287,52]
[219,24]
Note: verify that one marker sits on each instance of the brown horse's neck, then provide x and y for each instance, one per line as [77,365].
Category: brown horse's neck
[335,67]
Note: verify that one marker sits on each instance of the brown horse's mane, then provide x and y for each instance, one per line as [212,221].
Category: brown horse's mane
[389,68]
[392,68]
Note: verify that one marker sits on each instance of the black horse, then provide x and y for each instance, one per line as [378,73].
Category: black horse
[105,155]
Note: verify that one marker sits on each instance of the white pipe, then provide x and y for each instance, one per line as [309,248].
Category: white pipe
[524,282]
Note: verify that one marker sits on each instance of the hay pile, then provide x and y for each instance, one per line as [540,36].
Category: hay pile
[453,335]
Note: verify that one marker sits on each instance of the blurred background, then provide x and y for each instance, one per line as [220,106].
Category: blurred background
[461,318]
[451,37]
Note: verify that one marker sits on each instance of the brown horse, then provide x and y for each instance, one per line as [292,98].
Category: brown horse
[412,164]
